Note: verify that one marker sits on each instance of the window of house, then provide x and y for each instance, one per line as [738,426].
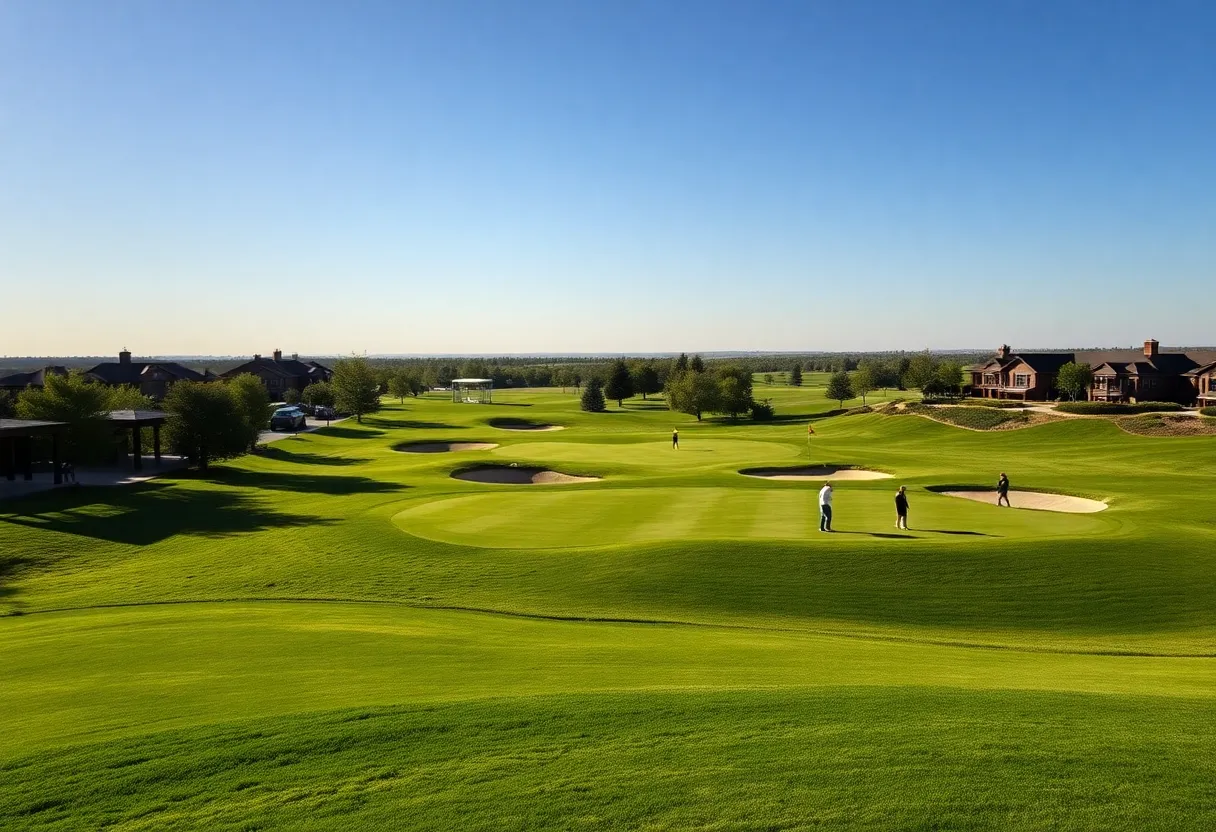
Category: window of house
[1021,379]
[989,378]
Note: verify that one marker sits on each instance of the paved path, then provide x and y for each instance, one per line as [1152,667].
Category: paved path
[45,481]
[268,436]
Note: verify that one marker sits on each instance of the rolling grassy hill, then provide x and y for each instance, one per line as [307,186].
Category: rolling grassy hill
[336,634]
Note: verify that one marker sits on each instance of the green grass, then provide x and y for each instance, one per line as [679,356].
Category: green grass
[338,635]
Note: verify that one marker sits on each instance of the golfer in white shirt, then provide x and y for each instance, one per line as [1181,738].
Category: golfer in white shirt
[825,508]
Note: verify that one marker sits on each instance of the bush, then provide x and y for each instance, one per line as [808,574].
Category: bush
[1168,424]
[1208,411]
[999,404]
[1117,408]
[763,411]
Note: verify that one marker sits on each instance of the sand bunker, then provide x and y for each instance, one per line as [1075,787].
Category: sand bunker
[443,447]
[511,424]
[815,472]
[500,475]
[1034,500]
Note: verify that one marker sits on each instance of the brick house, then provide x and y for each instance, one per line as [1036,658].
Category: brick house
[282,374]
[1150,374]
[1204,380]
[152,378]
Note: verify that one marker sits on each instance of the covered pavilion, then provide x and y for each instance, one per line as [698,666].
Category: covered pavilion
[473,390]
[17,447]
[136,421]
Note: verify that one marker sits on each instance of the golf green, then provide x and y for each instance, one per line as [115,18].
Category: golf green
[332,634]
[604,517]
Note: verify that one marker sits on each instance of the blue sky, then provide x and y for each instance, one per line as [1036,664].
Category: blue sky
[231,177]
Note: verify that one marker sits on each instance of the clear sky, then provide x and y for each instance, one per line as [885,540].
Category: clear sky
[230,177]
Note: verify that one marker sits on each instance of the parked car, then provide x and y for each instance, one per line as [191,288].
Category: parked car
[323,412]
[307,408]
[288,418]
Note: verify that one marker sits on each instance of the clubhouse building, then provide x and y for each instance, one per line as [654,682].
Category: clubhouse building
[1152,374]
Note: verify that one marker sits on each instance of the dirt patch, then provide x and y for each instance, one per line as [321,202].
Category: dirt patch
[520,424]
[1037,500]
[505,475]
[815,472]
[443,447]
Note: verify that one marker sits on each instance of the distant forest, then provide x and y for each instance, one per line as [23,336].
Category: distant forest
[543,371]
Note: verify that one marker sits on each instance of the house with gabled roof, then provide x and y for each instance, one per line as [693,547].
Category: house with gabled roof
[152,378]
[35,378]
[1150,374]
[281,374]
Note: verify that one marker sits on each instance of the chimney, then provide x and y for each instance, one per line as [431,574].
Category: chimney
[278,355]
[295,356]
[124,358]
[1150,348]
[1003,352]
[257,356]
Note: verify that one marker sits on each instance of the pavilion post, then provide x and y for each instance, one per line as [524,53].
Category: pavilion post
[57,456]
[156,441]
[27,459]
[137,457]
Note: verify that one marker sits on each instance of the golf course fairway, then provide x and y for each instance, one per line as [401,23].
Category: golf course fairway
[333,634]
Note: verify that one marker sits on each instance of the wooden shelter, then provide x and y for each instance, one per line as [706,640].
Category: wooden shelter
[17,447]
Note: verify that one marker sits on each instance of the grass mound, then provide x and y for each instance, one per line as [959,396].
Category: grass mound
[973,418]
[1164,424]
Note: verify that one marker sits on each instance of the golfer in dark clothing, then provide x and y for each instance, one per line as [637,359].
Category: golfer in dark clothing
[901,509]
[675,439]
[1002,490]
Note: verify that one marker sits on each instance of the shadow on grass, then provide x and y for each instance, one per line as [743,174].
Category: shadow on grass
[277,453]
[955,531]
[303,483]
[140,515]
[886,535]
[348,433]
[408,424]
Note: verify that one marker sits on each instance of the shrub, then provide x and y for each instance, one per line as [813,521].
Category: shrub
[763,411]
[1117,408]
[1168,424]
[1208,411]
[998,404]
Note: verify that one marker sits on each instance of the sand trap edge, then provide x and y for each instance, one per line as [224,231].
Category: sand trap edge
[1032,500]
[526,427]
[814,472]
[501,475]
[442,447]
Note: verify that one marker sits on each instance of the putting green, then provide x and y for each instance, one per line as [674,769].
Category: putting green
[630,515]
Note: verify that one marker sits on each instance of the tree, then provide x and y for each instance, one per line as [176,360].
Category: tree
[733,397]
[620,383]
[863,381]
[8,407]
[1074,379]
[78,402]
[840,387]
[921,370]
[127,397]
[951,377]
[646,379]
[400,384]
[291,396]
[593,397]
[768,378]
[697,365]
[692,393]
[253,403]
[681,365]
[796,376]
[355,387]
[205,423]
[318,394]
